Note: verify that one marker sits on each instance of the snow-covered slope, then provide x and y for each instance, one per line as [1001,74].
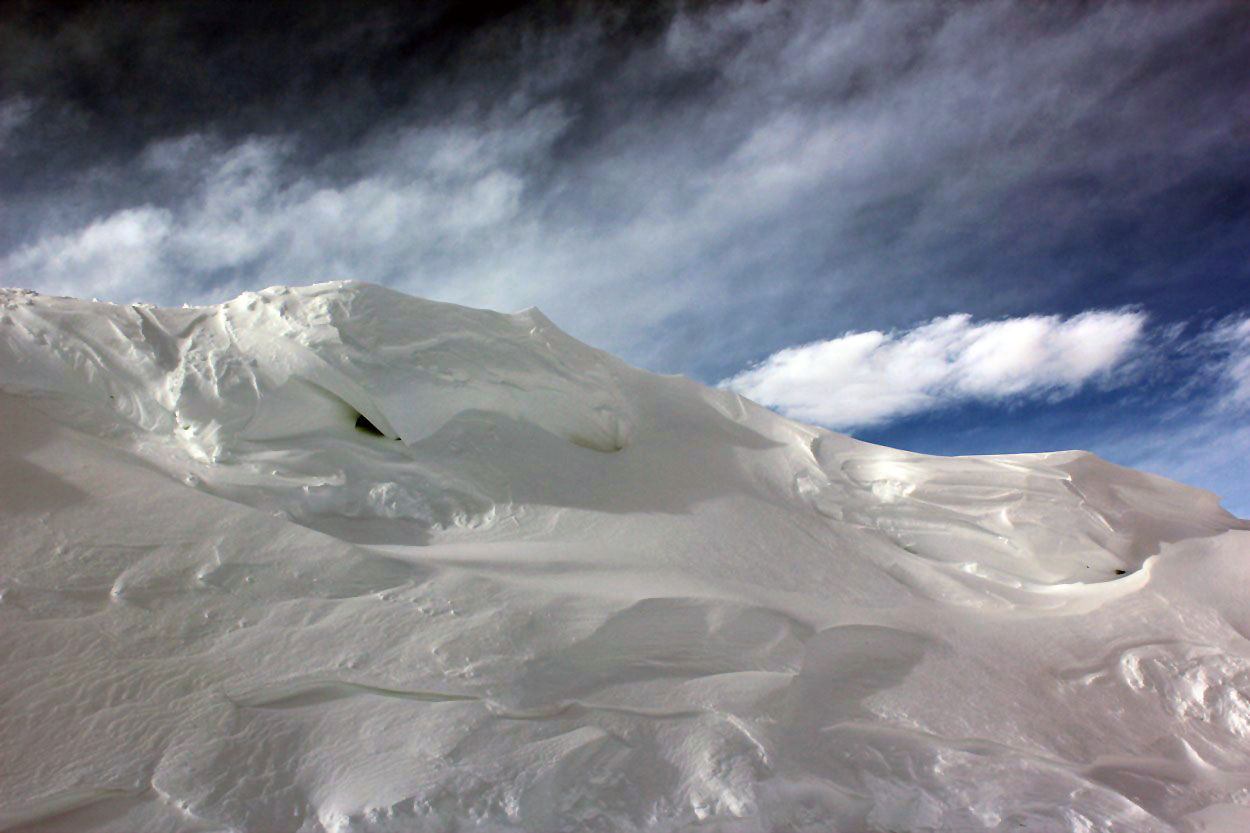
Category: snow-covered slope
[334,558]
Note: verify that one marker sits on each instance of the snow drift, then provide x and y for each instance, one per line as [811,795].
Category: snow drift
[337,559]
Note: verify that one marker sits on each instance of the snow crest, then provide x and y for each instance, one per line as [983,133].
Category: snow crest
[271,383]
[285,362]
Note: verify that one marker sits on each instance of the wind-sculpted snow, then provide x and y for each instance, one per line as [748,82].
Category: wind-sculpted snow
[274,383]
[336,559]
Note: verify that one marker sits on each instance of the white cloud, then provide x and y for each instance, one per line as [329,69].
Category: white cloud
[104,259]
[244,214]
[1232,338]
[865,378]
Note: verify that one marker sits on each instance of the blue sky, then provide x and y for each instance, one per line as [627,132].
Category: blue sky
[949,227]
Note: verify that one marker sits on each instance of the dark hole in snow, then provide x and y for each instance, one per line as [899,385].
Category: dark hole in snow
[363,424]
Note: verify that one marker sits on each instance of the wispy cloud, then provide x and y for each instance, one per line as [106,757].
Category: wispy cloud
[672,197]
[1231,339]
[108,258]
[247,219]
[865,378]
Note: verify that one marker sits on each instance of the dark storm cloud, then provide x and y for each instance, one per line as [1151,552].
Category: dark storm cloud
[115,76]
[694,187]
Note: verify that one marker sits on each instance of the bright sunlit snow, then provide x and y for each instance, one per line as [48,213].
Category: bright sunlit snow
[337,559]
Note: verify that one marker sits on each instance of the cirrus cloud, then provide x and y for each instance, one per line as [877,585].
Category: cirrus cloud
[1230,340]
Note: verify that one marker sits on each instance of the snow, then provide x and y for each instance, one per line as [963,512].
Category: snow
[560,593]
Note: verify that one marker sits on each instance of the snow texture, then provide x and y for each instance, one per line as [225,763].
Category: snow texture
[551,592]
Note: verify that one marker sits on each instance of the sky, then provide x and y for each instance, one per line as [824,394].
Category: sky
[951,227]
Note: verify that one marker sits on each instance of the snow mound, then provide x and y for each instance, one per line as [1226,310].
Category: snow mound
[337,559]
[285,362]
